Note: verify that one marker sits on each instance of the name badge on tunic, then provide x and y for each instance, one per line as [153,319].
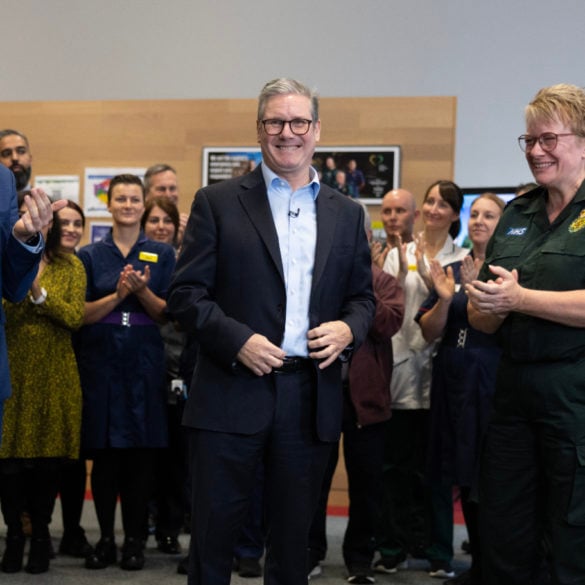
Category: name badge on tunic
[148,257]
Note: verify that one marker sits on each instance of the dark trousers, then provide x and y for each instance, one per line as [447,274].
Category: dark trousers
[225,466]
[28,485]
[405,522]
[127,473]
[250,544]
[72,484]
[532,485]
[363,451]
[170,476]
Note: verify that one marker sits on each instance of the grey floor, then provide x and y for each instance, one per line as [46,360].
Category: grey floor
[161,569]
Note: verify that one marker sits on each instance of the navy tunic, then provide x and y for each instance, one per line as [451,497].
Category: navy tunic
[122,368]
[462,389]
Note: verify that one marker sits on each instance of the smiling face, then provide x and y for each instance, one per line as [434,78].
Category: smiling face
[562,169]
[126,204]
[483,219]
[289,155]
[159,226]
[164,184]
[71,225]
[437,214]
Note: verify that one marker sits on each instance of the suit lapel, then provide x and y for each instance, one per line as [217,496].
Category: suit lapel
[326,221]
[255,203]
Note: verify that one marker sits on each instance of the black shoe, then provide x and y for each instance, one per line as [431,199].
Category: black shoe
[39,556]
[104,554]
[249,568]
[441,570]
[360,575]
[183,566]
[169,545]
[75,545]
[466,547]
[132,555]
[391,563]
[467,578]
[13,553]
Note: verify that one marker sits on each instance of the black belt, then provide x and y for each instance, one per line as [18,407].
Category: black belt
[293,365]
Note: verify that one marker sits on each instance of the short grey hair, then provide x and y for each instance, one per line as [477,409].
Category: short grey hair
[287,86]
[155,170]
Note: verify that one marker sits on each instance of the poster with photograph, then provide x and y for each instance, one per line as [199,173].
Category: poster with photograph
[228,162]
[97,181]
[360,172]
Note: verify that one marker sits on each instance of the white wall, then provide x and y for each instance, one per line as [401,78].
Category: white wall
[493,55]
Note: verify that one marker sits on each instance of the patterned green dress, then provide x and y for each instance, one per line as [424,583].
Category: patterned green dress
[42,418]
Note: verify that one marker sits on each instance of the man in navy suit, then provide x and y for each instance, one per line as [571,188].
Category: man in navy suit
[21,245]
[274,281]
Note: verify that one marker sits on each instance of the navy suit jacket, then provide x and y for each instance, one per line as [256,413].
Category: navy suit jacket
[229,284]
[18,267]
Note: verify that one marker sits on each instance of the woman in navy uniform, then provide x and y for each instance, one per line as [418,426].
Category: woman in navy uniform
[530,290]
[463,382]
[121,365]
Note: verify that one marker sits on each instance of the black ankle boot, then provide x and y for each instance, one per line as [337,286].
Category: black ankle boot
[12,559]
[39,555]
[104,554]
[132,555]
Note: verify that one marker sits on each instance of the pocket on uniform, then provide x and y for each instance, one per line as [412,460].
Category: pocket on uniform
[576,514]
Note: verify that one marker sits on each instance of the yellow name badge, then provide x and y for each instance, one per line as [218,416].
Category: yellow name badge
[148,257]
[412,267]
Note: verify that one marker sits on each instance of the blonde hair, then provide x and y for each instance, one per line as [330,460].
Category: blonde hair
[562,102]
[493,198]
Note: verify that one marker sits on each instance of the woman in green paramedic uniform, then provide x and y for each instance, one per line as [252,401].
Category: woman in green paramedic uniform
[531,291]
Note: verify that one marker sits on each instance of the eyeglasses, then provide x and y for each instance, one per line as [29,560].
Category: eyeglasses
[547,140]
[298,126]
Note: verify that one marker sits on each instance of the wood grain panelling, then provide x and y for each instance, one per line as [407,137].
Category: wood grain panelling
[66,137]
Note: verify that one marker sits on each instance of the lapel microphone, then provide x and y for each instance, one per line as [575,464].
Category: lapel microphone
[294,214]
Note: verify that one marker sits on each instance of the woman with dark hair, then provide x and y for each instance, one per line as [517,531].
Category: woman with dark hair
[121,356]
[407,515]
[160,220]
[42,418]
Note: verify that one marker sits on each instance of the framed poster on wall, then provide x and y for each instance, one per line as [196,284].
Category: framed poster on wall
[361,172]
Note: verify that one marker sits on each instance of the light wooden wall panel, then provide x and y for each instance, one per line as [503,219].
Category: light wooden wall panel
[66,137]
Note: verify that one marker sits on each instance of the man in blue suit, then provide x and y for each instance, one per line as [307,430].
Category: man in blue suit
[21,245]
[274,281]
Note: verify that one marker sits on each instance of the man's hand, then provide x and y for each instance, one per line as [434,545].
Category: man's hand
[260,355]
[38,214]
[328,340]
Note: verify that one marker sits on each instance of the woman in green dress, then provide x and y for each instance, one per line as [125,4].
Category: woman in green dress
[43,415]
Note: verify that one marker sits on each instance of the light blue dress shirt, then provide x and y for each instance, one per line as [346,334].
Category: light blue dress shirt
[295,217]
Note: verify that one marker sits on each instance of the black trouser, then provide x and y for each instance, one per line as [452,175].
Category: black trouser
[533,474]
[406,512]
[72,484]
[363,450]
[127,472]
[170,477]
[28,485]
